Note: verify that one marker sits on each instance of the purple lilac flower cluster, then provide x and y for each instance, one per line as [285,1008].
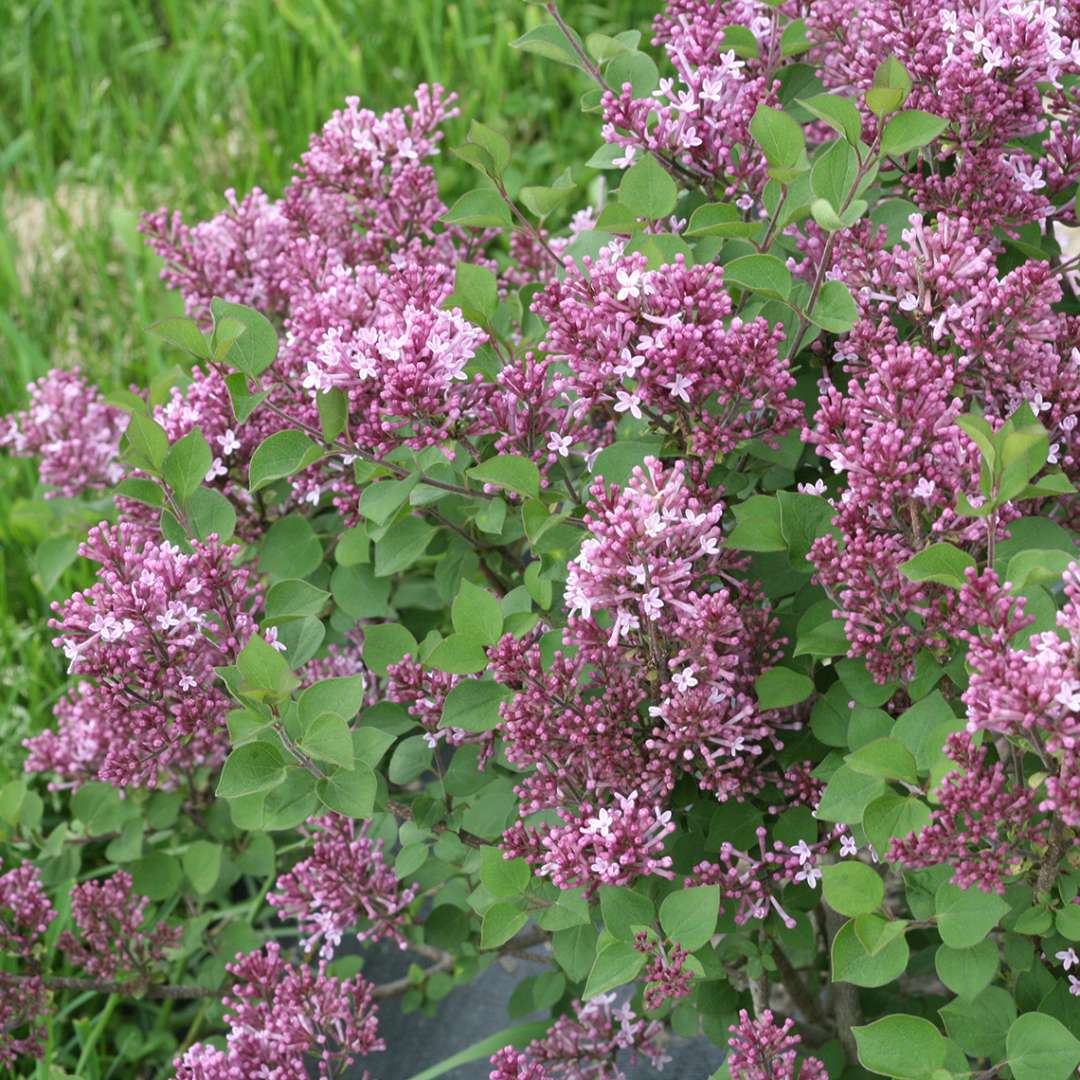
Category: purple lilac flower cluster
[344,881]
[282,1017]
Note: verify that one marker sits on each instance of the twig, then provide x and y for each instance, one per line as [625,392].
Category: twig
[847,1012]
[796,988]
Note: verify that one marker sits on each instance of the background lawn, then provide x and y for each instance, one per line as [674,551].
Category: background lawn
[112,107]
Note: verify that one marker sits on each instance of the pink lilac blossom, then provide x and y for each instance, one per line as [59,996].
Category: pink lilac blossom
[142,638]
[25,914]
[281,1018]
[985,826]
[1031,692]
[343,882]
[586,1046]
[511,1064]
[892,434]
[599,845]
[362,191]
[753,881]
[74,431]
[593,729]
[400,358]
[697,123]
[423,692]
[760,1049]
[112,939]
[664,345]
[664,976]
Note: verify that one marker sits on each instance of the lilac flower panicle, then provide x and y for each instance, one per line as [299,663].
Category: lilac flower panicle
[345,880]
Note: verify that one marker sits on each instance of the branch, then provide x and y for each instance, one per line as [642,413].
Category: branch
[847,1012]
[796,988]
[1054,849]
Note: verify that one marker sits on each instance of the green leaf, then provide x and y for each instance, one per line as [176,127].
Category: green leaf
[264,670]
[853,963]
[349,791]
[187,463]
[835,310]
[99,807]
[839,113]
[819,633]
[852,888]
[616,463]
[476,614]
[688,916]
[764,274]
[290,548]
[888,758]
[503,877]
[910,130]
[385,644]
[184,333]
[901,1046]
[379,502]
[979,1026]
[942,563]
[202,865]
[333,406]
[1033,567]
[780,687]
[847,794]
[476,287]
[924,727]
[647,190]
[874,932]
[720,219]
[411,758]
[779,136]
[967,972]
[511,472]
[401,545]
[549,41]
[256,348]
[473,705]
[892,816]
[544,200]
[156,876]
[458,654]
[209,513]
[574,948]
[1067,921]
[757,525]
[53,556]
[253,767]
[359,593]
[294,598]
[281,455]
[636,68]
[482,208]
[618,962]
[501,922]
[496,144]
[623,909]
[803,519]
[1041,1048]
[834,173]
[966,916]
[147,440]
[892,84]
[328,738]
[244,402]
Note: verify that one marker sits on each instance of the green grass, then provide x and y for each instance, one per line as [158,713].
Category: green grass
[112,107]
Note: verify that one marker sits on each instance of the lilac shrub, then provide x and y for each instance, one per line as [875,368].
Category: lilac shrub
[666,575]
